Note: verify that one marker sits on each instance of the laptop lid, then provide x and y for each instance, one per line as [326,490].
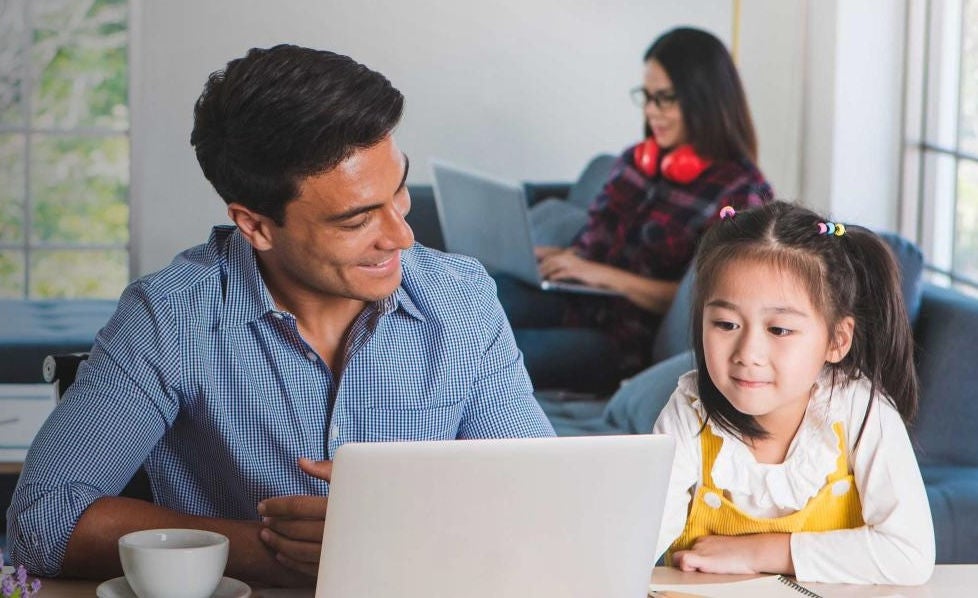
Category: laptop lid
[569,517]
[486,218]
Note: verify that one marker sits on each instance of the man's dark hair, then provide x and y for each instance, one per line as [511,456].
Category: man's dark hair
[282,114]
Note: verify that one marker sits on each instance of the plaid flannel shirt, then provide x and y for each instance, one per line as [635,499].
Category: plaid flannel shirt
[650,226]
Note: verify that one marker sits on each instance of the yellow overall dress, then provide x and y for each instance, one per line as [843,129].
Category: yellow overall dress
[836,506]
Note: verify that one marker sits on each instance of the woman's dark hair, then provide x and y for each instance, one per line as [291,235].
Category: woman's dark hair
[704,77]
[279,115]
[854,274]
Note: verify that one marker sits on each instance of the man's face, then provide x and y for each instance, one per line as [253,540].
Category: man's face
[342,237]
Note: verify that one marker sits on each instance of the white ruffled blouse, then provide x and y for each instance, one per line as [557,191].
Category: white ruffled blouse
[766,490]
[894,502]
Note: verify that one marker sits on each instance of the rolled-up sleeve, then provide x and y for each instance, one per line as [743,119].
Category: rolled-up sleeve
[95,439]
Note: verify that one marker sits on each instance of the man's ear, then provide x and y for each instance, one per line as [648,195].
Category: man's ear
[841,340]
[254,226]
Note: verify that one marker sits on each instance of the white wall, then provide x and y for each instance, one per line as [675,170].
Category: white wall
[526,90]
[854,132]
[522,89]
[771,58]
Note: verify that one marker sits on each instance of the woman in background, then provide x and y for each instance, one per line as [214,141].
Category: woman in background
[698,156]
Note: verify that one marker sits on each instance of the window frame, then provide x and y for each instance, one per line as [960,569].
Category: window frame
[27,245]
[932,153]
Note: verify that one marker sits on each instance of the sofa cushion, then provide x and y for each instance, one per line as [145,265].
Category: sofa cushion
[948,416]
[674,335]
[911,262]
[575,415]
[556,222]
[591,181]
[637,403]
[952,491]
[30,330]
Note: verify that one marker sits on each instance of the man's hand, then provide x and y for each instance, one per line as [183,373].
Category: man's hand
[757,553]
[292,526]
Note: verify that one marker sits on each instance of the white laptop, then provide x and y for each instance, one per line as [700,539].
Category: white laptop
[487,219]
[562,517]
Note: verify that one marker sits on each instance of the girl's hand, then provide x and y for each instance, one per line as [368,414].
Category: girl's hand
[756,553]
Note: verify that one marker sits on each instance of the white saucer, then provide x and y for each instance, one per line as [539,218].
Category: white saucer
[119,588]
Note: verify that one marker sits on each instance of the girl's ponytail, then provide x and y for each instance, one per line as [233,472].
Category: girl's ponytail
[882,346]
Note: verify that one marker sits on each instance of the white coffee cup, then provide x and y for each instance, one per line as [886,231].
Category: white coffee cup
[163,563]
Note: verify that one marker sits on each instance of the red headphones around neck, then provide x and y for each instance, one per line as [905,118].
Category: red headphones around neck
[682,165]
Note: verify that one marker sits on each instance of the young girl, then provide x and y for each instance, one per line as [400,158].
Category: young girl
[792,451]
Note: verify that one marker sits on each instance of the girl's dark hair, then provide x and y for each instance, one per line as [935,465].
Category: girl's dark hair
[714,105]
[850,275]
[282,114]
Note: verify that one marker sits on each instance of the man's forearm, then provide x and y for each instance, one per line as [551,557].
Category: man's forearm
[93,550]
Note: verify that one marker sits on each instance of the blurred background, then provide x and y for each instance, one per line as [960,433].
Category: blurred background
[866,110]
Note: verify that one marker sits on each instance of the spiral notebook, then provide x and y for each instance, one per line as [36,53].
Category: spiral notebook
[771,586]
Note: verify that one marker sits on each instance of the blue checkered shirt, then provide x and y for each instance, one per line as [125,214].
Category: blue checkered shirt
[201,379]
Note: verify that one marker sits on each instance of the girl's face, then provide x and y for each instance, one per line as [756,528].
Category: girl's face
[765,342]
[662,111]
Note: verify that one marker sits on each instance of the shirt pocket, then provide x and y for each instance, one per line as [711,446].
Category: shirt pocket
[436,422]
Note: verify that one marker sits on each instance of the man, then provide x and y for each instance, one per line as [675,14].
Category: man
[233,374]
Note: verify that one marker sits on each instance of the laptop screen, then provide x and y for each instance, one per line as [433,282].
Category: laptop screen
[576,516]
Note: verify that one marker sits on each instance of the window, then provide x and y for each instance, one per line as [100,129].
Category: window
[940,183]
[64,148]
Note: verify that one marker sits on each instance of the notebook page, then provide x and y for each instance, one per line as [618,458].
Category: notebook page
[760,587]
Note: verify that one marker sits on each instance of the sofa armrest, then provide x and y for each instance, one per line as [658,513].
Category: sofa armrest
[945,335]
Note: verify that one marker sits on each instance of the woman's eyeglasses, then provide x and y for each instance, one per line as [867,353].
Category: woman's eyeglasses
[663,99]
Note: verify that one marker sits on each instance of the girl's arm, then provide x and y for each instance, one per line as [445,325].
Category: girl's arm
[678,420]
[748,554]
[896,546]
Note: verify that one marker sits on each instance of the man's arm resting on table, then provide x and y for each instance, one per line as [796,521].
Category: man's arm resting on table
[93,549]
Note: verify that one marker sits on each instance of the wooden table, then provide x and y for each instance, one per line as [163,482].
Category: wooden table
[948,580]
[10,467]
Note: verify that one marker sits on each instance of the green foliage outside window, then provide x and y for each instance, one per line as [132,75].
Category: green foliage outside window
[64,119]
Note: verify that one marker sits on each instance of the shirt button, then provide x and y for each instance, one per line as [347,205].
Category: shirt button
[311,356]
[841,487]
[278,315]
[334,432]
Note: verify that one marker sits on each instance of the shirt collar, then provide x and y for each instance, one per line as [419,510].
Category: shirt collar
[247,298]
[403,298]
